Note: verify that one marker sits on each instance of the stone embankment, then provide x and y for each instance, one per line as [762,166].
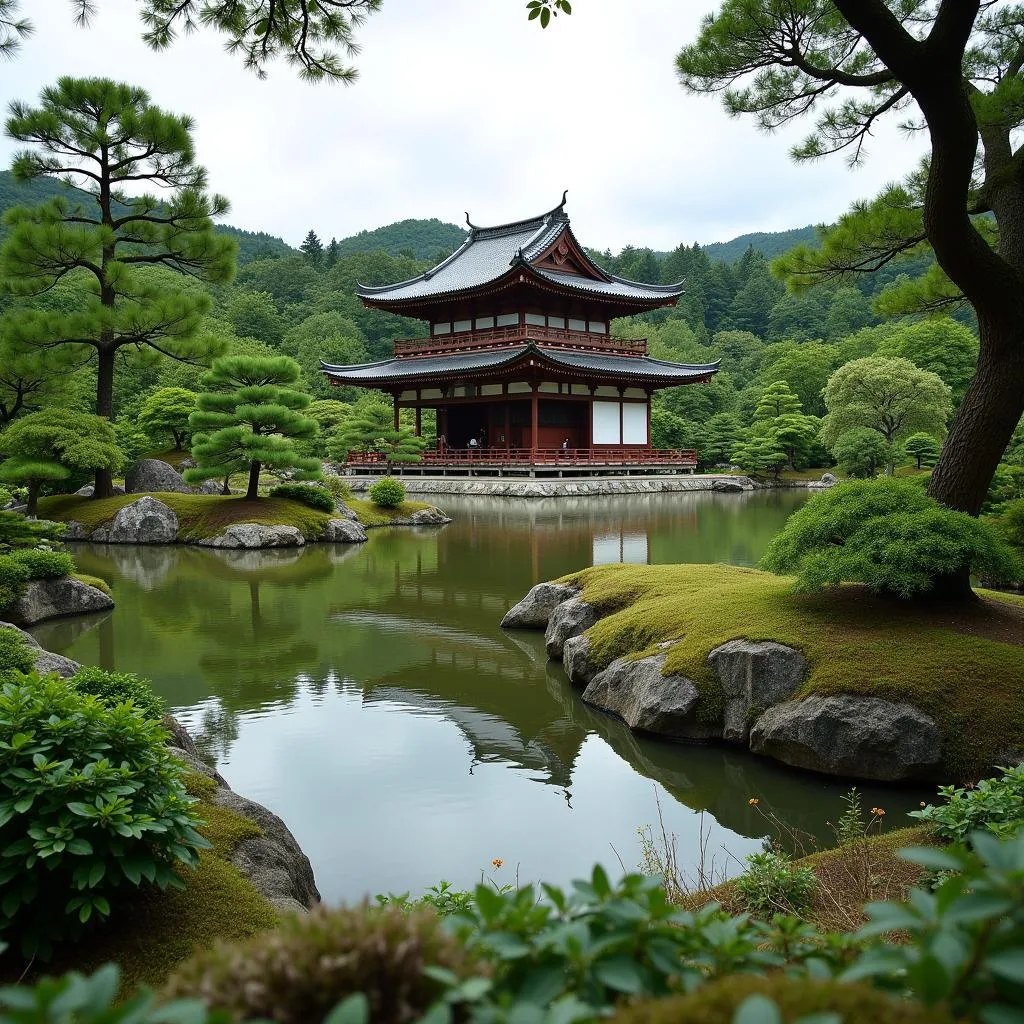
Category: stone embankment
[756,703]
[582,487]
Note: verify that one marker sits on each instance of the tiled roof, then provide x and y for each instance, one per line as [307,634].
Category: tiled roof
[490,359]
[489,253]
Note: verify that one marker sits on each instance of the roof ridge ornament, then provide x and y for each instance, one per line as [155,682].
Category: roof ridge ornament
[473,228]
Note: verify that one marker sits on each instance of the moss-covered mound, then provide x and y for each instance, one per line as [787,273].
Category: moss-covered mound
[208,515]
[795,998]
[152,932]
[960,665]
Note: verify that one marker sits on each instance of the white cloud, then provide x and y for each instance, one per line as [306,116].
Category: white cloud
[463,104]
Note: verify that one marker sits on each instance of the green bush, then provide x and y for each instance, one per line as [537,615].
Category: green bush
[1009,522]
[18,532]
[887,534]
[996,805]
[113,688]
[771,885]
[794,998]
[13,577]
[15,655]
[861,452]
[387,493]
[91,804]
[338,487]
[44,565]
[296,973]
[314,497]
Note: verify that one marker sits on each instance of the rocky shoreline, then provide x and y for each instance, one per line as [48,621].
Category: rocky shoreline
[847,736]
[596,486]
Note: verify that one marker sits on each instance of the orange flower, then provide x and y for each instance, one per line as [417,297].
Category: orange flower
[923,804]
[753,801]
[497,862]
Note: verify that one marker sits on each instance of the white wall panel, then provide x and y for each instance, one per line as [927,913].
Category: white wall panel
[634,423]
[606,423]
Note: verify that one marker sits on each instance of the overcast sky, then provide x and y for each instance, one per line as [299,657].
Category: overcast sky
[464,105]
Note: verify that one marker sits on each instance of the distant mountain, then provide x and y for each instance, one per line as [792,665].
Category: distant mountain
[768,243]
[425,239]
[251,244]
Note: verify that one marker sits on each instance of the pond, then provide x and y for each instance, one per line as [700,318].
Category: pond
[367,695]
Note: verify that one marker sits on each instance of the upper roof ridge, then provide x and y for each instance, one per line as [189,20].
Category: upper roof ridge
[516,226]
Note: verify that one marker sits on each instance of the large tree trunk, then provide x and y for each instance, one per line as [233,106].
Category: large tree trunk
[103,486]
[984,423]
[254,482]
[33,499]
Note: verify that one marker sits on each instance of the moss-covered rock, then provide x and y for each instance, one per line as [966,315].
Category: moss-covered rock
[795,998]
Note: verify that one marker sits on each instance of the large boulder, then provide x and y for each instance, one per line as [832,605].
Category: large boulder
[828,479]
[570,618]
[87,489]
[646,699]
[429,517]
[854,737]
[151,475]
[45,661]
[344,512]
[74,530]
[755,675]
[146,521]
[51,599]
[208,487]
[256,535]
[535,609]
[726,486]
[577,661]
[344,531]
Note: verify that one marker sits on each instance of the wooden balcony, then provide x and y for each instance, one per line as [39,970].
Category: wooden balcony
[548,337]
[607,459]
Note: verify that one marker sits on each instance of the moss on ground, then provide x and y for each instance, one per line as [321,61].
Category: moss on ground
[962,665]
[93,581]
[152,932]
[373,515]
[848,877]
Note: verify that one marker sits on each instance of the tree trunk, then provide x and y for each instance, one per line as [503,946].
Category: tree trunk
[227,485]
[984,423]
[254,482]
[103,485]
[33,499]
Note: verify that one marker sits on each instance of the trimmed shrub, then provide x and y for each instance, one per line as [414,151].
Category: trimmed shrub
[93,581]
[296,973]
[113,688]
[314,497]
[794,998]
[18,532]
[91,803]
[387,493]
[338,488]
[15,655]
[887,534]
[1009,522]
[13,577]
[45,565]
[771,885]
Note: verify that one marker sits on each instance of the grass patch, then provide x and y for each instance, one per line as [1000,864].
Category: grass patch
[150,934]
[373,515]
[93,581]
[962,665]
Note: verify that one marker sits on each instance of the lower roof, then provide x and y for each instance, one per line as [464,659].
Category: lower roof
[491,361]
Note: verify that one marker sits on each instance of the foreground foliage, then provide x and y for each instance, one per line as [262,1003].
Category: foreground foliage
[91,803]
[996,805]
[887,534]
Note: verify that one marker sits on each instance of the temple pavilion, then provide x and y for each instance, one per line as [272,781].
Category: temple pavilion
[520,365]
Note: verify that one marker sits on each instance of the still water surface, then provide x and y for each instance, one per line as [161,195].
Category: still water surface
[366,694]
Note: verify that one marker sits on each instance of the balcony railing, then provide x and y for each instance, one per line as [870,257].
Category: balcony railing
[549,337]
[606,455]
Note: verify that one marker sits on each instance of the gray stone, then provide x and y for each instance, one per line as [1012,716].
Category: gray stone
[829,479]
[854,737]
[86,491]
[428,517]
[50,599]
[570,618]
[74,530]
[46,662]
[187,463]
[208,487]
[535,609]
[344,531]
[647,700]
[151,475]
[146,521]
[755,675]
[577,661]
[727,486]
[344,512]
[273,862]
[256,535]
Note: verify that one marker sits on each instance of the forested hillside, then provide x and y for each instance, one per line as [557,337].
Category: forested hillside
[424,239]
[768,243]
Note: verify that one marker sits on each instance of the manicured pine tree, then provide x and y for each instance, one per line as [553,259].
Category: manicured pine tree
[777,399]
[779,414]
[109,142]
[760,454]
[861,452]
[372,429]
[922,447]
[313,248]
[250,415]
[45,446]
[166,411]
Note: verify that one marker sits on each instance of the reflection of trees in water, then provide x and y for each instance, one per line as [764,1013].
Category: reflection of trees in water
[215,731]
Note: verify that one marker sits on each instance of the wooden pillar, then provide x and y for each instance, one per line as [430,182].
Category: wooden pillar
[590,420]
[419,421]
[508,421]
[650,442]
[533,418]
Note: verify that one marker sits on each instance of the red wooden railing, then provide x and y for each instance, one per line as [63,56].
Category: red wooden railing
[610,455]
[549,337]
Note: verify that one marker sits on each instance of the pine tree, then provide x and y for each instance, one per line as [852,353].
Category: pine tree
[373,430]
[101,136]
[332,255]
[44,446]
[922,447]
[776,400]
[250,416]
[313,248]
[779,415]
[759,454]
